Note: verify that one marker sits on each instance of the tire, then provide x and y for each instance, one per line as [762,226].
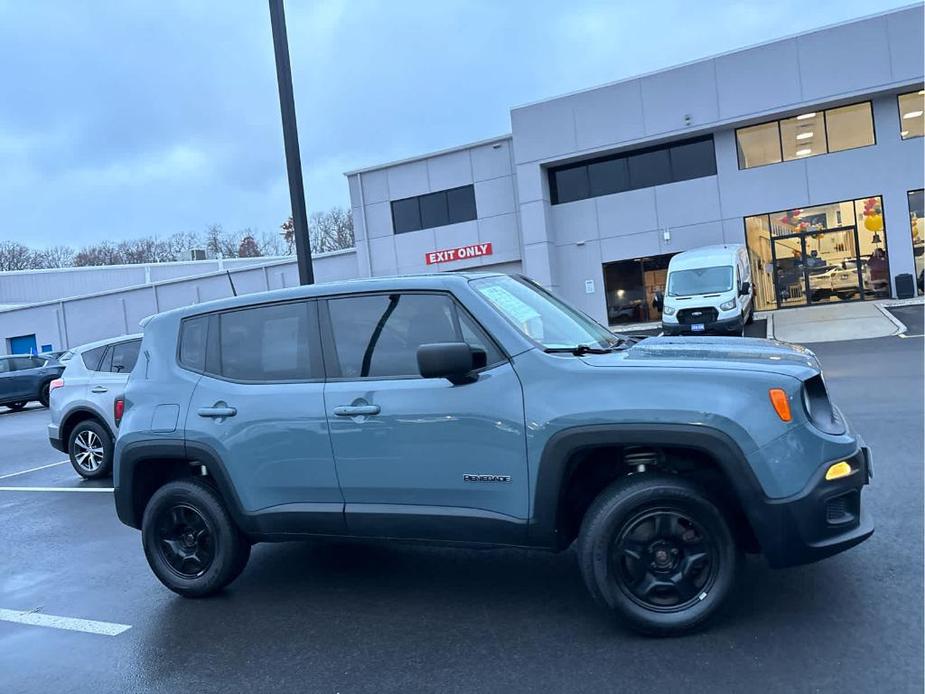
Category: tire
[188,561]
[89,447]
[626,516]
[43,394]
[16,406]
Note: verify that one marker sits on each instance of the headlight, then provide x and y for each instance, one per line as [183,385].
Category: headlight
[669,310]
[729,305]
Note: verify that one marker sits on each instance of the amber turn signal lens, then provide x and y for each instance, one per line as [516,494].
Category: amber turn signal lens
[781,403]
[838,470]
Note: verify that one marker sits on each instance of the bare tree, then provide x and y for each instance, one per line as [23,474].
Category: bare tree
[53,257]
[103,253]
[331,230]
[15,256]
[273,245]
[178,246]
[287,231]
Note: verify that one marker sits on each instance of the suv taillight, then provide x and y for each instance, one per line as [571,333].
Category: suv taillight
[57,383]
[118,409]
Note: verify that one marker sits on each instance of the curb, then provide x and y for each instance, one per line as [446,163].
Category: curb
[900,326]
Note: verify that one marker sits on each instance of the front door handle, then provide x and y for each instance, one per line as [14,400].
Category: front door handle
[218,412]
[356,410]
[99,389]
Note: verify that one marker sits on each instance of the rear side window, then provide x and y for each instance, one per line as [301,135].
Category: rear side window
[268,344]
[193,342]
[124,356]
[91,358]
[378,336]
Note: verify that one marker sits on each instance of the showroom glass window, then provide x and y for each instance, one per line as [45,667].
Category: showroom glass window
[641,168]
[806,135]
[912,114]
[821,254]
[378,336]
[434,210]
[917,225]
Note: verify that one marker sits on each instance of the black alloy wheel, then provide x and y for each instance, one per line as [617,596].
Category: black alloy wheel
[185,540]
[664,560]
[190,540]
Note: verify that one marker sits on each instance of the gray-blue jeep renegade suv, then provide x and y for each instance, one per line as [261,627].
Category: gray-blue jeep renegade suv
[480,409]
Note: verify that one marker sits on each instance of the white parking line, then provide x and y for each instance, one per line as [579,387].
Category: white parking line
[33,469]
[56,489]
[88,626]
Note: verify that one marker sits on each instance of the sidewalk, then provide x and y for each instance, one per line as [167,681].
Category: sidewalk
[836,322]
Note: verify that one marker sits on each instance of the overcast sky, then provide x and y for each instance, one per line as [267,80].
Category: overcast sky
[122,119]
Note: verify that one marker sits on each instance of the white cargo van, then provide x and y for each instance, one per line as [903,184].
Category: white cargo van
[708,290]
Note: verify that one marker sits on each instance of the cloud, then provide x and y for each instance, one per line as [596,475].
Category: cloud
[119,119]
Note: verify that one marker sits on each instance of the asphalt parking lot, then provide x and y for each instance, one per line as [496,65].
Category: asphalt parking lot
[365,617]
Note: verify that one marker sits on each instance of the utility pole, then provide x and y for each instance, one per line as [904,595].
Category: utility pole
[303,251]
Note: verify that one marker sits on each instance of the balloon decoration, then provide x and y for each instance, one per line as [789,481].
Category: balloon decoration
[792,219]
[873,215]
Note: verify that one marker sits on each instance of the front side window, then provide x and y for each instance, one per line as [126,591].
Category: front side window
[378,336]
[706,280]
[540,316]
[266,343]
[912,114]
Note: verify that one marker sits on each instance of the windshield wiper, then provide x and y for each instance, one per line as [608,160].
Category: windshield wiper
[578,350]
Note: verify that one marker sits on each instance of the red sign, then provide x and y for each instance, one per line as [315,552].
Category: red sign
[476,250]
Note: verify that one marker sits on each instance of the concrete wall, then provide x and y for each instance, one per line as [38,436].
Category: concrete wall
[74,321]
[31,286]
[486,165]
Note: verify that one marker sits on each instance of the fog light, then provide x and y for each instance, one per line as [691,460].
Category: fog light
[838,470]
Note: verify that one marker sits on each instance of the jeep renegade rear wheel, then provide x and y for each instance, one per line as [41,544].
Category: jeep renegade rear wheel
[190,541]
[658,553]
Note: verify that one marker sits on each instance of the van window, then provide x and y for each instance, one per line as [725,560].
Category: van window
[706,280]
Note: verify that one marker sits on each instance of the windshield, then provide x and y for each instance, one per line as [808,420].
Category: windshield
[542,317]
[703,280]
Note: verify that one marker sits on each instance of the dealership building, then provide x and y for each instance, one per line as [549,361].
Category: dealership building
[808,149]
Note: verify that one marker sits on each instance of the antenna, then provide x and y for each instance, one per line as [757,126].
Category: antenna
[234,292]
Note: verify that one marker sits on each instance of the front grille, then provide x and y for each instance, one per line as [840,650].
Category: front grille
[697,315]
[842,509]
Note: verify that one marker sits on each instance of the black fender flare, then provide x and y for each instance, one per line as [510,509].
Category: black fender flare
[67,419]
[562,447]
[136,454]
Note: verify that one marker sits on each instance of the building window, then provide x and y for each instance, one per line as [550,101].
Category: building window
[806,135]
[917,224]
[643,168]
[434,210]
[912,114]
[822,254]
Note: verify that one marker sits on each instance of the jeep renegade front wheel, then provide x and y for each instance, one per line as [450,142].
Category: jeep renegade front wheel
[658,553]
[190,541]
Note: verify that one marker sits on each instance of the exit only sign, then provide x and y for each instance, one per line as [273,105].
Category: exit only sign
[476,250]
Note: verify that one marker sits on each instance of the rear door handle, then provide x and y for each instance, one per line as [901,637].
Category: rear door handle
[356,410]
[99,389]
[216,412]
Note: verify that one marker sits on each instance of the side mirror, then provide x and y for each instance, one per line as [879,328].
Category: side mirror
[745,288]
[453,361]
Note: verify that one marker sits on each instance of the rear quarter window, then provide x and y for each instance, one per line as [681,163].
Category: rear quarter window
[91,358]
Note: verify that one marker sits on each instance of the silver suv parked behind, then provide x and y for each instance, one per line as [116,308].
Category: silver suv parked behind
[82,400]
